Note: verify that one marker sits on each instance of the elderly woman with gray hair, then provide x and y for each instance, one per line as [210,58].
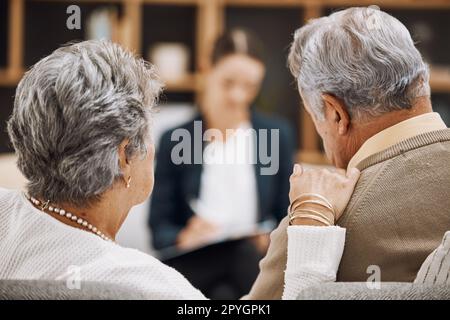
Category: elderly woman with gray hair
[81,131]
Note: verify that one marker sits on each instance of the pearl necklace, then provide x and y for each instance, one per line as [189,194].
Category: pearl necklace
[68,215]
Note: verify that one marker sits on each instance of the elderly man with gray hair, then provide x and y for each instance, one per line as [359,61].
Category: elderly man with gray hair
[367,90]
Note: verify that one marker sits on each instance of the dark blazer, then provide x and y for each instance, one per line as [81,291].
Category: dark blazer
[176,185]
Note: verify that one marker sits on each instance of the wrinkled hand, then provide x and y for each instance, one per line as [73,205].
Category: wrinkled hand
[337,186]
[198,231]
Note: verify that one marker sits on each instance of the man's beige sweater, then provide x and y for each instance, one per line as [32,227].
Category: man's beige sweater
[396,217]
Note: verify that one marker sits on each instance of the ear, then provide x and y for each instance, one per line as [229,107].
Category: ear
[336,112]
[124,162]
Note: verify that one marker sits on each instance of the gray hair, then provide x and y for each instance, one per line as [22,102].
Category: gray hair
[361,55]
[71,112]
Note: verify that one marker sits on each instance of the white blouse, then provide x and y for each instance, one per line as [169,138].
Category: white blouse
[228,190]
[34,245]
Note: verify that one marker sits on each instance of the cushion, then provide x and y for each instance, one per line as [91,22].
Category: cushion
[436,268]
[57,290]
[386,291]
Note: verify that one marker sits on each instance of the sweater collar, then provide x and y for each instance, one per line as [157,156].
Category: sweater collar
[401,131]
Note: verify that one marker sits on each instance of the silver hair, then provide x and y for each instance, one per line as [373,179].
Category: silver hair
[361,55]
[71,112]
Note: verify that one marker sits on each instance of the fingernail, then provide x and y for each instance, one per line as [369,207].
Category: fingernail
[296,168]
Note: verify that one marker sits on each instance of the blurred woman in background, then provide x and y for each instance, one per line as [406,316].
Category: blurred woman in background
[194,204]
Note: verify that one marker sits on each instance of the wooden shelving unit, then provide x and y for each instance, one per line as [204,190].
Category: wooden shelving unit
[209,23]
[440,79]
[9,77]
[190,83]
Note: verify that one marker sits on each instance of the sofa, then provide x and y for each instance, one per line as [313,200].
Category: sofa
[57,290]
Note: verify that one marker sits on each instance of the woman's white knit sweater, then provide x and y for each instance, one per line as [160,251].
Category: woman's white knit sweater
[34,245]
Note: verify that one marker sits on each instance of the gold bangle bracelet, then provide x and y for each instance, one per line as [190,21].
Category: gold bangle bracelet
[295,205]
[309,216]
[309,211]
[318,196]
[312,195]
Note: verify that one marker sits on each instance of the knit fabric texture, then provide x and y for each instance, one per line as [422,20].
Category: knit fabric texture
[400,210]
[34,245]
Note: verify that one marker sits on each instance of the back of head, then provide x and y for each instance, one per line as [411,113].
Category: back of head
[72,110]
[363,56]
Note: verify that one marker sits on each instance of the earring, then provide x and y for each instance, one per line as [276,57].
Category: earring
[128,182]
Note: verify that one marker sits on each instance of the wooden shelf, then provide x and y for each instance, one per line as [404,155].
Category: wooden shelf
[412,4]
[157,2]
[189,83]
[9,78]
[284,3]
[173,2]
[267,3]
[440,79]
[69,2]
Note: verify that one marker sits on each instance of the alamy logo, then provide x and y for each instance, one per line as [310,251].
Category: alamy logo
[244,146]
[374,280]
[74,278]
[74,20]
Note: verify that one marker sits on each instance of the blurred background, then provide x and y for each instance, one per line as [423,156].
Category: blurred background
[177,36]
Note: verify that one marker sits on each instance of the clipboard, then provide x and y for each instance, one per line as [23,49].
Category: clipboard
[261,228]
